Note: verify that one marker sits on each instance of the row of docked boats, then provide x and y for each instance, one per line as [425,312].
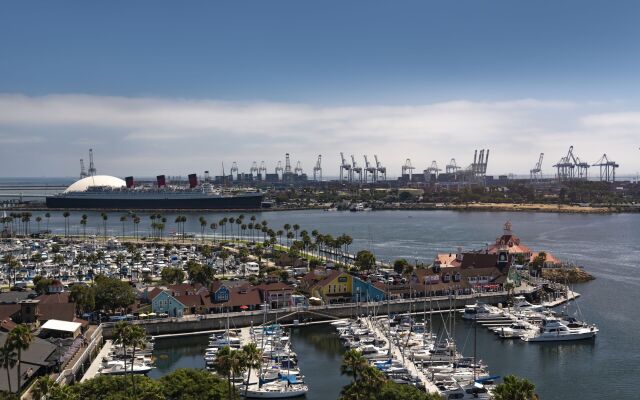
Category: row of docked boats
[279,376]
[122,360]
[530,322]
[407,352]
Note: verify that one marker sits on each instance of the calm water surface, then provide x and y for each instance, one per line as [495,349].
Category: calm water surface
[608,246]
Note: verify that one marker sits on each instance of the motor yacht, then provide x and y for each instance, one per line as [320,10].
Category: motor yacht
[553,330]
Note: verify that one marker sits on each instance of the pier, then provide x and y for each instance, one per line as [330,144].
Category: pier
[92,371]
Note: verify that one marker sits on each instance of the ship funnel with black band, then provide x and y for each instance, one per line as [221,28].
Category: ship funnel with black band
[193,180]
[130,182]
[162,182]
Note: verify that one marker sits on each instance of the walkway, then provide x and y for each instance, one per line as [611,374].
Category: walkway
[92,371]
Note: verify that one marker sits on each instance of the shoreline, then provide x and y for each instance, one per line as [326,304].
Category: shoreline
[482,207]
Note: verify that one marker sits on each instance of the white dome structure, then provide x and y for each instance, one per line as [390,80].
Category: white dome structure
[97,180]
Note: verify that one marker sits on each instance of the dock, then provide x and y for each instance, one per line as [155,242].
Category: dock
[92,371]
[396,354]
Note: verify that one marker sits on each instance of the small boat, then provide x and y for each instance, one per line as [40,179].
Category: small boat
[122,369]
[283,389]
[516,330]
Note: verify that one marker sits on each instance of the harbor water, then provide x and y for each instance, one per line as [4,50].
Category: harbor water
[607,246]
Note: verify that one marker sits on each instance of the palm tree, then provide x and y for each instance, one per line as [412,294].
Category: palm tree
[231,222]
[296,227]
[8,360]
[66,215]
[237,363]
[213,227]
[279,233]
[38,220]
[105,217]
[120,334]
[353,363]
[223,366]
[203,226]
[123,219]
[252,359]
[47,216]
[83,222]
[20,338]
[136,222]
[136,338]
[514,388]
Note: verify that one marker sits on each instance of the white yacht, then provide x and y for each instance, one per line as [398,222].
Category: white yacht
[276,390]
[554,330]
[479,311]
[517,329]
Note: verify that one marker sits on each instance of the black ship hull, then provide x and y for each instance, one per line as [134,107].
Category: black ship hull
[208,203]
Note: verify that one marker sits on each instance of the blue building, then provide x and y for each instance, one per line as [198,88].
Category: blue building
[164,303]
[365,291]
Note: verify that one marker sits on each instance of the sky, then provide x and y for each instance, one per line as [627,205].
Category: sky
[179,87]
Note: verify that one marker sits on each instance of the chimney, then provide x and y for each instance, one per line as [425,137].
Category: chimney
[130,182]
[193,180]
[162,182]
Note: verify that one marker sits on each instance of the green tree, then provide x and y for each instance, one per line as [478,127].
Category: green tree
[43,388]
[365,260]
[399,265]
[353,363]
[112,293]
[84,297]
[20,338]
[199,273]
[514,388]
[223,366]
[41,283]
[252,359]
[136,339]
[105,387]
[171,275]
[194,384]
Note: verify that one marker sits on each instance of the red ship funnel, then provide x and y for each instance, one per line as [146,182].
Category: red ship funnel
[130,182]
[162,182]
[193,180]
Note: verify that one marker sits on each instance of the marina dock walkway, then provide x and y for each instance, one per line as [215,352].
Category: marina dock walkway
[92,371]
[396,354]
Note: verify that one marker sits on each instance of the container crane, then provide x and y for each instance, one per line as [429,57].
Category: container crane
[298,169]
[607,168]
[262,171]
[355,168]
[92,167]
[535,174]
[83,172]
[345,166]
[371,170]
[234,171]
[317,170]
[254,169]
[407,168]
[433,170]
[382,170]
[280,170]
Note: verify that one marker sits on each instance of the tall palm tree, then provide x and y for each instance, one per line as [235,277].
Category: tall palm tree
[120,334]
[203,226]
[123,219]
[296,228]
[83,222]
[237,363]
[8,360]
[136,222]
[231,222]
[66,215]
[20,338]
[213,227]
[252,359]
[38,220]
[223,366]
[105,217]
[136,338]
[353,363]
[47,216]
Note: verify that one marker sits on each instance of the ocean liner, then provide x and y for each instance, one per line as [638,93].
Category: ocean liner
[108,192]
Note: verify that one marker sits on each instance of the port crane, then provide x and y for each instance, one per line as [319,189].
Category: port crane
[345,166]
[407,168]
[298,169]
[535,174]
[234,171]
[317,170]
[607,168]
[92,167]
[433,170]
[370,170]
[570,167]
[382,170]
[280,170]
[262,171]
[83,172]
[355,168]
[254,169]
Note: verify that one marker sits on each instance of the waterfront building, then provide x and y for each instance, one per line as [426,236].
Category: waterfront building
[330,285]
[365,291]
[164,303]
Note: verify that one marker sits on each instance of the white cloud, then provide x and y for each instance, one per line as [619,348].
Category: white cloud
[145,136]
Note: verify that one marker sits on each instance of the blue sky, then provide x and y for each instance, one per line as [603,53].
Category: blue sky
[320,55]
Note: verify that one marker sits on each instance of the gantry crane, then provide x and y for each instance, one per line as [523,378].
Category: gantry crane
[92,167]
[345,166]
[535,174]
[317,170]
[280,170]
[407,168]
[234,171]
[355,169]
[607,168]
[382,170]
[254,170]
[371,170]
[433,170]
[83,172]
[298,169]
[262,171]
